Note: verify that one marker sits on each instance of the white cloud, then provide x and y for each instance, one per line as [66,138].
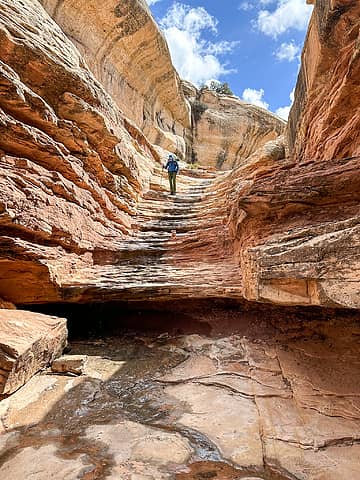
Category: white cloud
[246,6]
[152,2]
[195,58]
[289,14]
[255,97]
[283,112]
[288,51]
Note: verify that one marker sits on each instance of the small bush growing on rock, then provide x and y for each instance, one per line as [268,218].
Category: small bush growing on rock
[218,87]
[198,108]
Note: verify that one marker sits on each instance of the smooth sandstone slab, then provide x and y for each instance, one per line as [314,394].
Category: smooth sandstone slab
[230,422]
[29,341]
[38,463]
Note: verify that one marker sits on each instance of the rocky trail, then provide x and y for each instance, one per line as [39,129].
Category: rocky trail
[173,251]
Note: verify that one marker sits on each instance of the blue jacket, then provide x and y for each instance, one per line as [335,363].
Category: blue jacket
[172,166]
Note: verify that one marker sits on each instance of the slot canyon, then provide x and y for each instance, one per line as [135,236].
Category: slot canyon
[211,334]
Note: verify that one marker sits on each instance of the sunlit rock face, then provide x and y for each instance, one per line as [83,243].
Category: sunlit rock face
[226,130]
[85,214]
[125,50]
[324,122]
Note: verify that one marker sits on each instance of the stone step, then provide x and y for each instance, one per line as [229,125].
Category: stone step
[157,280]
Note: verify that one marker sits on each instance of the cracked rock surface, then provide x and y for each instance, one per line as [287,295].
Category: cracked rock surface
[255,397]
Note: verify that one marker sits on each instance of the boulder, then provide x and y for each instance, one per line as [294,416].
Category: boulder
[29,341]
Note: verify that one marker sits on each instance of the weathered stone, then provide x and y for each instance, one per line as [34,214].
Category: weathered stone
[6,305]
[226,130]
[69,364]
[324,121]
[275,402]
[126,51]
[29,342]
[230,422]
[83,212]
[41,463]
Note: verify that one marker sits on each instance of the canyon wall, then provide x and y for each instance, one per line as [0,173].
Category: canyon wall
[226,130]
[127,53]
[72,166]
[296,221]
[324,122]
[84,214]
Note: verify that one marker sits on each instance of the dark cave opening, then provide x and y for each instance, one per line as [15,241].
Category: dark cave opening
[209,317]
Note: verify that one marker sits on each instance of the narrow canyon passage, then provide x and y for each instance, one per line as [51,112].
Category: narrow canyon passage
[191,391]
[179,248]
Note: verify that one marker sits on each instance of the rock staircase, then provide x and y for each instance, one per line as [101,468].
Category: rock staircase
[179,248]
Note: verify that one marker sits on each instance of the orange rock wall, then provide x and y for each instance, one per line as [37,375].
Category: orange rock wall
[324,122]
[72,168]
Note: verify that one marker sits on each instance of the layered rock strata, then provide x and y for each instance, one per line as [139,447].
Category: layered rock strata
[296,229]
[226,130]
[72,167]
[28,342]
[85,216]
[324,122]
[296,221]
[127,53]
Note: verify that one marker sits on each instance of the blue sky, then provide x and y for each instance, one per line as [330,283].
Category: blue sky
[252,45]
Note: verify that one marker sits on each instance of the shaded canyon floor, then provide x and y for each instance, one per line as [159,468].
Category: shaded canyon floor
[213,391]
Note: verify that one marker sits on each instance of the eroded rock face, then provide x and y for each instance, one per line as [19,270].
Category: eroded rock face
[84,211]
[28,342]
[324,122]
[125,50]
[226,130]
[72,167]
[296,230]
[296,222]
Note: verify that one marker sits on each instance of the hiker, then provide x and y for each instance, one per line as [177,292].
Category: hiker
[172,167]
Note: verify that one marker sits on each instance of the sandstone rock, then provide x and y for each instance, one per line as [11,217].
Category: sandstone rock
[141,450]
[230,422]
[126,51]
[289,251]
[6,305]
[84,214]
[71,173]
[29,342]
[226,130]
[324,121]
[69,364]
[37,463]
[284,412]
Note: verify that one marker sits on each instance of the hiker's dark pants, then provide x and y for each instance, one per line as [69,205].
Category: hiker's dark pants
[172,181]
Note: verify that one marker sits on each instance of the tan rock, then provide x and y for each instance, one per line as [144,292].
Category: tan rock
[41,463]
[29,342]
[141,450]
[226,130]
[6,305]
[126,51]
[230,422]
[69,364]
